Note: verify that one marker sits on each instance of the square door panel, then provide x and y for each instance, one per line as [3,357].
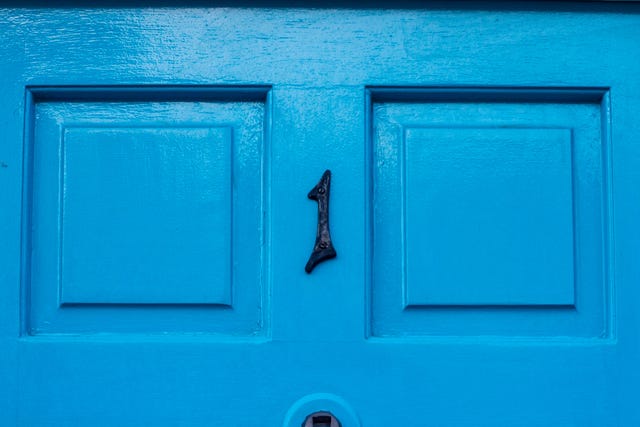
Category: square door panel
[133,199]
[489,212]
[488,216]
[146,215]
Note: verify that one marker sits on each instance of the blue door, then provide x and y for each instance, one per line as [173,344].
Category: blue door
[155,170]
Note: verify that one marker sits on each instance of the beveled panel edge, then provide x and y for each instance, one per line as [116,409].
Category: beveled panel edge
[34,94]
[600,95]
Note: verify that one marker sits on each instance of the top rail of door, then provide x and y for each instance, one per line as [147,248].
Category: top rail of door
[565,5]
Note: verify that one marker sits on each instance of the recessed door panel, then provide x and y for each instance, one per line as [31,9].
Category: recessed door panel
[146,213]
[493,220]
[488,216]
[126,238]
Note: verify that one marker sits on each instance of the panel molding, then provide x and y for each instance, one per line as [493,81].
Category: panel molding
[399,315]
[217,319]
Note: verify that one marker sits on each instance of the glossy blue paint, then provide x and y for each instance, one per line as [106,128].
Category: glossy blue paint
[155,226]
[115,180]
[499,210]
[494,189]
[145,212]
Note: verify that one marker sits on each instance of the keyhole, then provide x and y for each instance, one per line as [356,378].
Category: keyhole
[321,419]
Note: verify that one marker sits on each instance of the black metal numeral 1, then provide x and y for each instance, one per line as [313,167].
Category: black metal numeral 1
[323,249]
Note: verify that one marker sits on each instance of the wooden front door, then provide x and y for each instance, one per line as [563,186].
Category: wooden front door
[155,166]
